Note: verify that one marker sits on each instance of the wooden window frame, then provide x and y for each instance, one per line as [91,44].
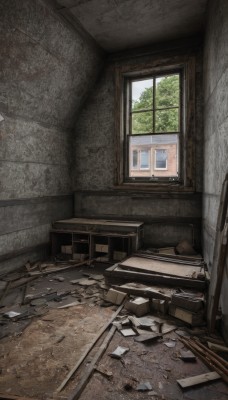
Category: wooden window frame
[186,64]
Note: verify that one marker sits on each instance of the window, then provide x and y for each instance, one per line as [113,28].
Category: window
[155,124]
[160,159]
[135,159]
[140,159]
[144,159]
[153,118]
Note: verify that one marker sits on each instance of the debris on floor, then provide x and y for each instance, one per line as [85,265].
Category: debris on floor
[119,352]
[148,312]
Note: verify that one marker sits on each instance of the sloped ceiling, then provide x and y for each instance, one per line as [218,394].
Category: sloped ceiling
[121,24]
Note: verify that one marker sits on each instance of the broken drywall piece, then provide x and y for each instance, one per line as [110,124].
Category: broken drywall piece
[11,314]
[86,282]
[97,277]
[146,338]
[139,306]
[59,278]
[144,387]
[115,297]
[128,332]
[170,344]
[75,303]
[119,352]
[187,356]
[1,118]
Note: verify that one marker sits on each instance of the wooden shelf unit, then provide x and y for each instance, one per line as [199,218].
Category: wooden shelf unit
[106,241]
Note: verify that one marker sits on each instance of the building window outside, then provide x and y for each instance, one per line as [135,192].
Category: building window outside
[161,159]
[144,159]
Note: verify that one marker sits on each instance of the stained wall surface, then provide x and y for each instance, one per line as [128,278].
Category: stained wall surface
[168,217]
[216,130]
[47,70]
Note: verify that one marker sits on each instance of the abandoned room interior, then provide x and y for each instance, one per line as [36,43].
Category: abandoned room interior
[114,199]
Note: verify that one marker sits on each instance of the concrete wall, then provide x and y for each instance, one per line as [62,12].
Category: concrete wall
[47,70]
[216,129]
[168,216]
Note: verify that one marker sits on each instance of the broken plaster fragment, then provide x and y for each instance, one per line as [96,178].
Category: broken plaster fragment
[144,387]
[170,344]
[128,332]
[119,352]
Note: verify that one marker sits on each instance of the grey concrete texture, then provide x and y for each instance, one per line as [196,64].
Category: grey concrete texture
[162,235]
[29,213]
[126,205]
[22,180]
[28,141]
[47,70]
[49,67]
[24,238]
[94,152]
[117,24]
[17,262]
[216,49]
[216,138]
[35,159]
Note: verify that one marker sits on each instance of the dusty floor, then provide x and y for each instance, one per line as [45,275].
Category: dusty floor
[36,354]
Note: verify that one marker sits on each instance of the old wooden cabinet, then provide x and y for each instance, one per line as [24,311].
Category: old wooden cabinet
[104,240]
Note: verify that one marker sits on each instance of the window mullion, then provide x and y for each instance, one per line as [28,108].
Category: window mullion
[153,111]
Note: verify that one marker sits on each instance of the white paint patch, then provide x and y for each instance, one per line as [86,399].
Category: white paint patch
[1,118]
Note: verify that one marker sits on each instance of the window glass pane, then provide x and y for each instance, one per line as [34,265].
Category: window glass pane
[142,94]
[135,158]
[144,159]
[152,151]
[142,122]
[161,158]
[167,91]
[167,120]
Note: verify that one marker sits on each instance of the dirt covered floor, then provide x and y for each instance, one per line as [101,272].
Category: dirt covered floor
[39,347]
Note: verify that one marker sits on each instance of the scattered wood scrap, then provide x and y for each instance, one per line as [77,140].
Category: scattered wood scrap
[189,300]
[82,384]
[12,397]
[218,348]
[115,274]
[154,292]
[197,380]
[193,319]
[79,362]
[53,268]
[162,267]
[211,359]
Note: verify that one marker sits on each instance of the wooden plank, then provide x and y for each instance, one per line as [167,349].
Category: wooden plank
[211,362]
[86,221]
[194,319]
[198,379]
[219,257]
[79,362]
[160,267]
[13,397]
[134,276]
[146,291]
[86,376]
[217,347]
[50,271]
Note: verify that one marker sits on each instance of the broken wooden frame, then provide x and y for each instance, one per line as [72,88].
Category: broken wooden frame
[219,258]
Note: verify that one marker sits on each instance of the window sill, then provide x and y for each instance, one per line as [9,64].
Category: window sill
[155,187]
